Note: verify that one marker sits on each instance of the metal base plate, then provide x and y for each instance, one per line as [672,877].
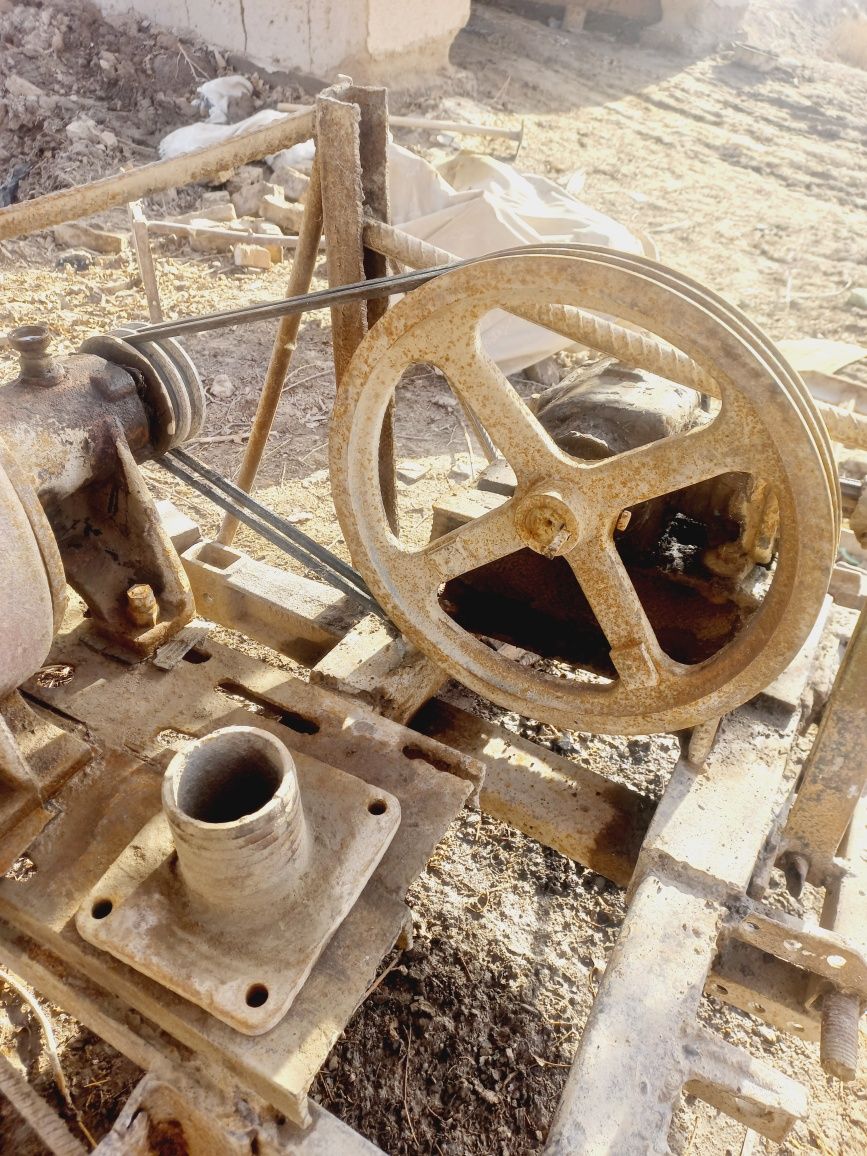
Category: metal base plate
[245,975]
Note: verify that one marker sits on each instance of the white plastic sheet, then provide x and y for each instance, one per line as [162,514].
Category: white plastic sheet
[470,205]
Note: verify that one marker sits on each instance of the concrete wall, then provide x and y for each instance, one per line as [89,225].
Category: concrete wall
[368,39]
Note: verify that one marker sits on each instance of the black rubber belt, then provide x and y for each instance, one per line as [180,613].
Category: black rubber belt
[274,529]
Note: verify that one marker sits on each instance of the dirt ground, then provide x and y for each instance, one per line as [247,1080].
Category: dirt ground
[754,183]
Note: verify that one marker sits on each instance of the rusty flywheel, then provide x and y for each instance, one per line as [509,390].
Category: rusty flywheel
[766,426]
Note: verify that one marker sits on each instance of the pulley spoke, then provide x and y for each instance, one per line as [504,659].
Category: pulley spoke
[635,651]
[485,539]
[482,385]
[664,466]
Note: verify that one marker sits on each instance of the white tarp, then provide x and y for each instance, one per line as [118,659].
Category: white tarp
[470,205]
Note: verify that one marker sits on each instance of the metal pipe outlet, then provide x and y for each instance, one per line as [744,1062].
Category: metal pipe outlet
[234,808]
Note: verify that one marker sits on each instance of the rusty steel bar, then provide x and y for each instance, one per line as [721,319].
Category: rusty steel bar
[844,425]
[422,122]
[121,188]
[630,346]
[627,344]
[845,912]
[40,1117]
[284,348]
[835,772]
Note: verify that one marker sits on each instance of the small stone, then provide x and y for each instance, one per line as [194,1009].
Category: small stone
[276,208]
[18,86]
[299,517]
[215,197]
[203,239]
[75,259]
[857,298]
[546,372]
[251,257]
[248,199]
[108,63]
[222,386]
[260,227]
[84,130]
[74,235]
[292,183]
[245,175]
[224,211]
[411,472]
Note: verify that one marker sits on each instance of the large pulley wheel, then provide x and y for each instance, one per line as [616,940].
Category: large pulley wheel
[766,426]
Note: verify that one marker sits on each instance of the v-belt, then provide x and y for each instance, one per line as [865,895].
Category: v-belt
[276,530]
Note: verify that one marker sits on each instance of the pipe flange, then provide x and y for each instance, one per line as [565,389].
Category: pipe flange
[225,897]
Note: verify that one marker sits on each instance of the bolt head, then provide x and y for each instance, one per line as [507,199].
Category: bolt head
[32,343]
[546,523]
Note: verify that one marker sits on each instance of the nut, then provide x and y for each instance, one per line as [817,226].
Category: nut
[142,605]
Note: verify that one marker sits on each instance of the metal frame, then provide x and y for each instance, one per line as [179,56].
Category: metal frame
[619,1097]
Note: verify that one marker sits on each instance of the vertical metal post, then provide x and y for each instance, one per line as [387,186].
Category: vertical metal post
[845,912]
[351,136]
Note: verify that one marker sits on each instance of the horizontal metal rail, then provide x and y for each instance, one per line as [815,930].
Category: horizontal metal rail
[121,188]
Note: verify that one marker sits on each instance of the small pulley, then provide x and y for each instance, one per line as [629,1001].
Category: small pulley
[173,387]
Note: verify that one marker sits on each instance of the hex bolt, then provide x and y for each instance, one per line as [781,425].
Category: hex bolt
[32,343]
[142,606]
[838,1050]
[234,808]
